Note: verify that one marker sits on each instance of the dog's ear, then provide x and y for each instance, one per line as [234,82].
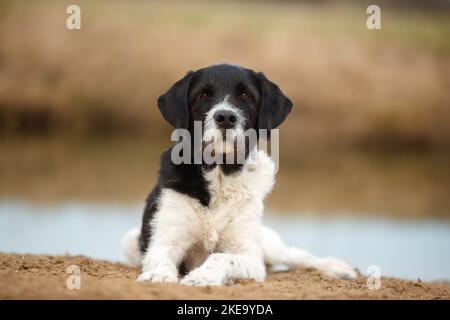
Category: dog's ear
[173,104]
[274,107]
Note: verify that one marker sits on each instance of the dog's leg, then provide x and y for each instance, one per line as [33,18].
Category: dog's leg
[276,252]
[224,268]
[174,232]
[239,254]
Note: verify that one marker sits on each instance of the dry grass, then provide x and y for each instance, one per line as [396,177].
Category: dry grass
[351,86]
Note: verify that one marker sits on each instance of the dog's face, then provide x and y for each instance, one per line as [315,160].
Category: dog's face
[227,99]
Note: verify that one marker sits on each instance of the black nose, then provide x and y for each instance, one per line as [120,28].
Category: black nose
[225,118]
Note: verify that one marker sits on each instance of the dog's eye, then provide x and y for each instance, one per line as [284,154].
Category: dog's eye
[205,94]
[242,93]
[244,96]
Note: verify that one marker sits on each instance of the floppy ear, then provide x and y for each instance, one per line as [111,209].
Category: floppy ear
[173,104]
[274,106]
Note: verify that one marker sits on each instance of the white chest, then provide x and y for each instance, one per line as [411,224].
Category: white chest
[229,196]
[225,190]
[233,198]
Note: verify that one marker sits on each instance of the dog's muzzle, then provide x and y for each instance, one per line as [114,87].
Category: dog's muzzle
[225,119]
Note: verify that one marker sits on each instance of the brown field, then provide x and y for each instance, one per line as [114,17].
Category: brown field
[44,277]
[352,87]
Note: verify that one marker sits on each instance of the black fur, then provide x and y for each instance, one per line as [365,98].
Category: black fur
[149,210]
[271,117]
[188,100]
[173,104]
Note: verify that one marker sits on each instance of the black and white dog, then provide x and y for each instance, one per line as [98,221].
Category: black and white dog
[203,221]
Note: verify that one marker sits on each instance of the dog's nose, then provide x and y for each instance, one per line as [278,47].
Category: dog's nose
[225,118]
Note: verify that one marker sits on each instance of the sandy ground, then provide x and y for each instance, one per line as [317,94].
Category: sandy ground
[44,277]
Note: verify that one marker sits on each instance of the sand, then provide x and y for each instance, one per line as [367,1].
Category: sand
[44,277]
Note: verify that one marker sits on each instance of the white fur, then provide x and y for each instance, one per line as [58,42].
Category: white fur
[214,135]
[130,247]
[276,252]
[226,241]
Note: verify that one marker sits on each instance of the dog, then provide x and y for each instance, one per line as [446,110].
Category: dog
[202,222]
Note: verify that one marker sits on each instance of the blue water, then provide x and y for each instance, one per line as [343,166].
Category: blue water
[411,250]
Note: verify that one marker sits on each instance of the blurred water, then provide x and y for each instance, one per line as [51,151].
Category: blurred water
[413,249]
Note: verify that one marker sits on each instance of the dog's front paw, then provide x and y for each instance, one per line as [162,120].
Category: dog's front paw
[337,268]
[159,275]
[202,277]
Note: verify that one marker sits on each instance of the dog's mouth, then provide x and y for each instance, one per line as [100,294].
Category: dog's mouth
[224,148]
[223,140]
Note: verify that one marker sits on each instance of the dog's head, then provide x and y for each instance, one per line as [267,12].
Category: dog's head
[227,99]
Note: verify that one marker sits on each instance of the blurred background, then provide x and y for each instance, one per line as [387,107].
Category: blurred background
[364,156]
